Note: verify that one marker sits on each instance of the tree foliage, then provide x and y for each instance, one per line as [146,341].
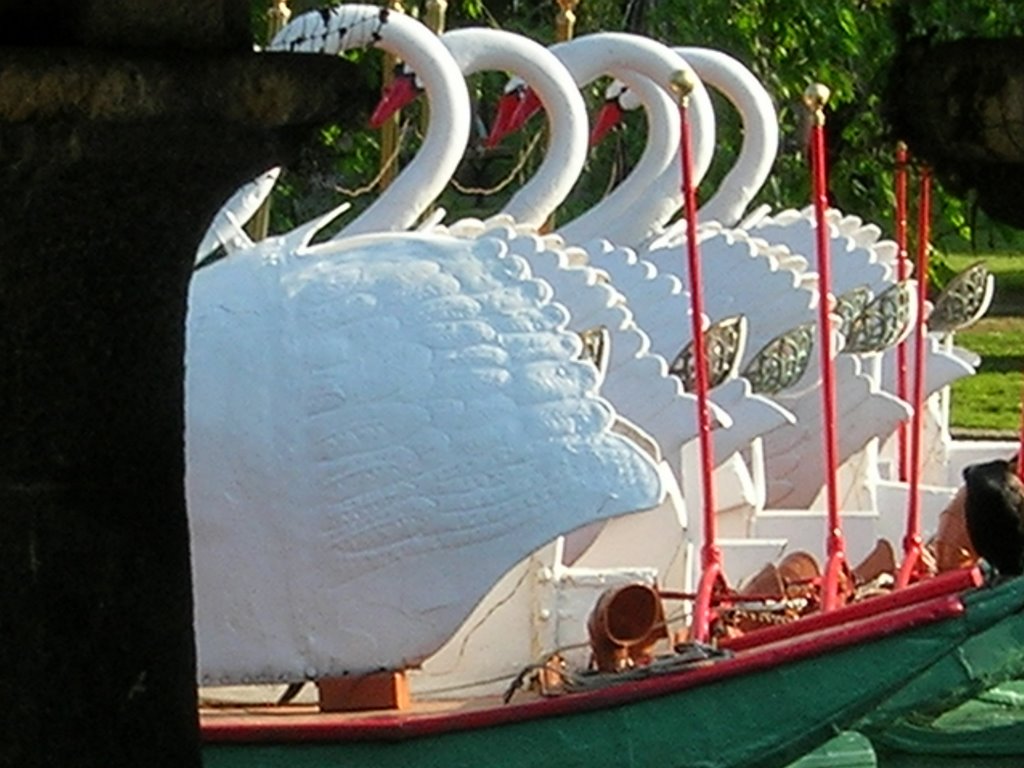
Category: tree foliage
[848,45]
[955,19]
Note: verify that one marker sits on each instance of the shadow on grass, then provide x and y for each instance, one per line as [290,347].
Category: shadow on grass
[1001,363]
[1008,269]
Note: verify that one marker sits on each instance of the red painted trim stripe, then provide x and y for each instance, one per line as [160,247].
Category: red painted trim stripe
[942,584]
[254,728]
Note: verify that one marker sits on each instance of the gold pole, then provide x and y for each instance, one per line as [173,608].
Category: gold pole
[277,16]
[435,12]
[565,26]
[389,130]
[565,20]
[435,15]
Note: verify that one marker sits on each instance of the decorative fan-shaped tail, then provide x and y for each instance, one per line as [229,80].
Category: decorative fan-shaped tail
[964,300]
[724,343]
[782,362]
[884,322]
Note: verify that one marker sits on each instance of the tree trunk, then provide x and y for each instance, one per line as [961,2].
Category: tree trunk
[111,166]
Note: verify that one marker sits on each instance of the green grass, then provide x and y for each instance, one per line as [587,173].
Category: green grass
[990,400]
[1008,268]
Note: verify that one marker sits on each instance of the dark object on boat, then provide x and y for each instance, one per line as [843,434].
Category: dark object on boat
[995,514]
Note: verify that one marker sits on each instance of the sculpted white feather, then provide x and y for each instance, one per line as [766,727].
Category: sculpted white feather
[377,430]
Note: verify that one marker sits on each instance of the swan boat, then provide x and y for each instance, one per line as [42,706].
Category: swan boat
[961,712]
[957,713]
[362,589]
[690,707]
[940,689]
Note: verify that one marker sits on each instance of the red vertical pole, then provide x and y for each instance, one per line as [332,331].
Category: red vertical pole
[912,543]
[900,180]
[711,555]
[815,97]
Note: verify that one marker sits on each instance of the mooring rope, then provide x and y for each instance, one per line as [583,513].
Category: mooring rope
[390,161]
[480,191]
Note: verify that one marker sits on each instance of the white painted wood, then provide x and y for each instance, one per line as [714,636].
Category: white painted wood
[377,430]
[794,455]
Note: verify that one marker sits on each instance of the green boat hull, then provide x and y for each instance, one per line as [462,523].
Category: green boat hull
[742,715]
[905,760]
[847,750]
[988,725]
[912,717]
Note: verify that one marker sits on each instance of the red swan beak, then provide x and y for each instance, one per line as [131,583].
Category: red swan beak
[609,116]
[400,93]
[507,106]
[529,104]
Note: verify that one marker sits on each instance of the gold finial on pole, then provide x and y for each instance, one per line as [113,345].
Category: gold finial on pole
[565,21]
[815,97]
[682,82]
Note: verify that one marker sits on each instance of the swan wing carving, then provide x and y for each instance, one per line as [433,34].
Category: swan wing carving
[796,474]
[942,366]
[740,278]
[752,415]
[662,309]
[377,429]
[852,264]
[226,228]
[637,382]
[660,303]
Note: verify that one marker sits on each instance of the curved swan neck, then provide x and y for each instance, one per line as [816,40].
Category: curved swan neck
[760,131]
[352,26]
[646,215]
[479,49]
[627,57]
[607,217]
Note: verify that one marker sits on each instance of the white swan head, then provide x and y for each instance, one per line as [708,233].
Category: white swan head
[353,26]
[478,49]
[618,99]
